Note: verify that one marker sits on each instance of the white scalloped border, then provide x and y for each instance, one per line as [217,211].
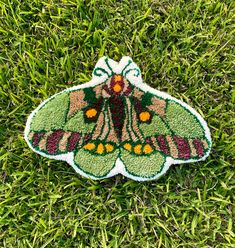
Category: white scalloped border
[119,167]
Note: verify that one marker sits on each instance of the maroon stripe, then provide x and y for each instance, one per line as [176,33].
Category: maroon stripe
[53,140]
[74,138]
[128,90]
[183,147]
[87,137]
[163,144]
[199,147]
[36,138]
[137,105]
[117,108]
[106,88]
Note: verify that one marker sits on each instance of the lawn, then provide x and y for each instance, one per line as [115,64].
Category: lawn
[185,48]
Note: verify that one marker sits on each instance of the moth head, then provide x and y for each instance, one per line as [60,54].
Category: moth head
[117,85]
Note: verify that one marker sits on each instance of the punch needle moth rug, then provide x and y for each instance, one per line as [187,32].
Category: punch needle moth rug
[117,124]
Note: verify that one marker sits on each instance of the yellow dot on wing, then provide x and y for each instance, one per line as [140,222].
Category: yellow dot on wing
[100,148]
[90,113]
[127,146]
[147,149]
[137,149]
[144,116]
[89,146]
[109,147]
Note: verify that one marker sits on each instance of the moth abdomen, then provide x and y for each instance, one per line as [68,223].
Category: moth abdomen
[117,109]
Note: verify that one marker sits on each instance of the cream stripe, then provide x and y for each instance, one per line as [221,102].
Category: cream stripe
[126,84]
[63,142]
[192,148]
[125,134]
[43,142]
[112,135]
[155,144]
[99,125]
[133,136]
[172,146]
[106,126]
[205,144]
[31,135]
[81,139]
[76,102]
[135,125]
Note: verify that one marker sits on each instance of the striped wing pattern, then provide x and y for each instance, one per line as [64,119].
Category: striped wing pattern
[59,141]
[179,147]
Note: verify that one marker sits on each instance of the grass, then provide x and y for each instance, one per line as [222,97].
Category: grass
[185,48]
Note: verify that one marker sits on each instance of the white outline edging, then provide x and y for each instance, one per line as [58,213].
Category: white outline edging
[119,167]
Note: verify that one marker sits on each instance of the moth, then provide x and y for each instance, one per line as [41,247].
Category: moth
[117,124]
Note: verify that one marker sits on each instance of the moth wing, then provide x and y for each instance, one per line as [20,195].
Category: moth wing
[58,126]
[176,130]
[190,135]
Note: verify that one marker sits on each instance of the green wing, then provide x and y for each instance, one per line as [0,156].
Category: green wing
[52,115]
[64,124]
[58,125]
[174,130]
[169,129]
